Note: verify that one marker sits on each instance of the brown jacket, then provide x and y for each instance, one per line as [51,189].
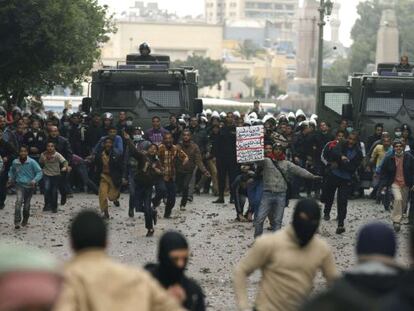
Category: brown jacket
[287,270]
[194,158]
[94,282]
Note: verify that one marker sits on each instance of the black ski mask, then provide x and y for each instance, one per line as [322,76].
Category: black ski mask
[169,273]
[306,220]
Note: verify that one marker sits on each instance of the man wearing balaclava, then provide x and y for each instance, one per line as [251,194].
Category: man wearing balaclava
[173,254]
[397,173]
[288,260]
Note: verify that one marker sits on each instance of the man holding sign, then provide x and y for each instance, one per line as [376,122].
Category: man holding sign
[250,144]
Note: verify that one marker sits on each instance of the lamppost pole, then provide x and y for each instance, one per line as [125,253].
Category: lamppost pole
[325,8]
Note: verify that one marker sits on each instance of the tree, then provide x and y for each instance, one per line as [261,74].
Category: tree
[364,32]
[211,71]
[364,36]
[45,43]
[247,50]
[338,73]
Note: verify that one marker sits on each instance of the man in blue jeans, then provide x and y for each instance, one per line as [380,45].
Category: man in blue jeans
[277,172]
[25,173]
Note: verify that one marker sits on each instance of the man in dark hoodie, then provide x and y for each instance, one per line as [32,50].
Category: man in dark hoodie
[173,255]
[402,298]
[375,276]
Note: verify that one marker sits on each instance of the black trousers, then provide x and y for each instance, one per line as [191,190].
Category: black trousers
[3,186]
[226,167]
[184,181]
[344,187]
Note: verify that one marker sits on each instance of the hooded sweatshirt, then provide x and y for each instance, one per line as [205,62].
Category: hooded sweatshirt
[168,274]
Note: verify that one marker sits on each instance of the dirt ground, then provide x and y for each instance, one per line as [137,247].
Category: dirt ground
[217,242]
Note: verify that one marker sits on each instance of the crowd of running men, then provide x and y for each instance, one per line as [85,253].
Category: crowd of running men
[193,154]
[197,154]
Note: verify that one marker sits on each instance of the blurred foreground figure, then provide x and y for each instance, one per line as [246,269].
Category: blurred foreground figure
[29,279]
[93,281]
[173,255]
[288,260]
[376,274]
[402,299]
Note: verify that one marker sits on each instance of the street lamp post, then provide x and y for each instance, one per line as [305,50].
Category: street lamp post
[325,9]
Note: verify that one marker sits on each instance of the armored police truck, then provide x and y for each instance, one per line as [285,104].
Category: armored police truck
[385,96]
[144,88]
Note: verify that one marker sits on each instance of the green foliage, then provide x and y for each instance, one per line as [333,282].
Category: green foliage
[45,43]
[364,35]
[247,50]
[405,18]
[211,71]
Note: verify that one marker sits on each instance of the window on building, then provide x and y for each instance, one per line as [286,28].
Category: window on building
[233,4]
[264,6]
[228,86]
[232,14]
[250,5]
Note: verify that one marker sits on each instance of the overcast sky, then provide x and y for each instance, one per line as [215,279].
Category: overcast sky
[196,7]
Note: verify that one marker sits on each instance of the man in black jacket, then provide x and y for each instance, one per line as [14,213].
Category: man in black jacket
[8,154]
[173,255]
[344,159]
[95,132]
[109,168]
[226,157]
[397,173]
[35,140]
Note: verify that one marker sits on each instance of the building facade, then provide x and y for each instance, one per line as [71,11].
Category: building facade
[276,11]
[218,11]
[178,40]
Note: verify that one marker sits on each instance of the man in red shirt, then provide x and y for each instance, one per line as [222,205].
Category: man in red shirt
[397,173]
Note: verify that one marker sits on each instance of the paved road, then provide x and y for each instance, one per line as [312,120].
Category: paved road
[216,240]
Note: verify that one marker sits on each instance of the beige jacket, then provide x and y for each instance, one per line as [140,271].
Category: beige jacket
[94,282]
[287,270]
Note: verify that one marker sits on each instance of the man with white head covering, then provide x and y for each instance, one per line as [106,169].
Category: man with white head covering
[300,116]
[33,272]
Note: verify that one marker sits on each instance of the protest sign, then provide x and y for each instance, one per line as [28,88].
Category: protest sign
[249,143]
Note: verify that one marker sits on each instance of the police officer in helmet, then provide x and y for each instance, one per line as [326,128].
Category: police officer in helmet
[145,52]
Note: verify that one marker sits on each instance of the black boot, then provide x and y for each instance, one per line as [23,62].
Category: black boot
[167,213]
[220,200]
